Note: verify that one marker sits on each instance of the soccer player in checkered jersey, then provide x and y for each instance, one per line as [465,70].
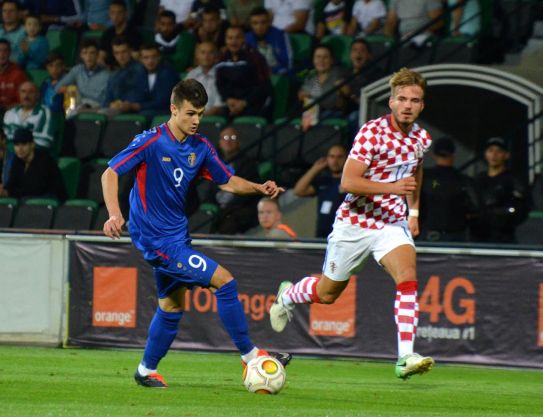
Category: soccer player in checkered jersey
[383,172]
[167,159]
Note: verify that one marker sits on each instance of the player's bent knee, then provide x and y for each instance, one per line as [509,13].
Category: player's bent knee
[221,277]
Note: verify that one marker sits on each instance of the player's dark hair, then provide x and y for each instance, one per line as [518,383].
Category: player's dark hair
[190,90]
[54,56]
[167,13]
[258,11]
[6,42]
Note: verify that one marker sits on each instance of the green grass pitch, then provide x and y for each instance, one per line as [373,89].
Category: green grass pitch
[47,382]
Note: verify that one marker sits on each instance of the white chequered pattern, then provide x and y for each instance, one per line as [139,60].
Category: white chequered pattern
[390,156]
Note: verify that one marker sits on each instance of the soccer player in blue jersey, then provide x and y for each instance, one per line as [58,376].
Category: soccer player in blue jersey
[166,159]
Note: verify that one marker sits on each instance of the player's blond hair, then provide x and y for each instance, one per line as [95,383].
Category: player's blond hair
[405,77]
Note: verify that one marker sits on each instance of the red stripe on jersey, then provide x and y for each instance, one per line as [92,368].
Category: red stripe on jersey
[141,176]
[137,151]
[162,255]
[169,131]
[205,174]
[214,154]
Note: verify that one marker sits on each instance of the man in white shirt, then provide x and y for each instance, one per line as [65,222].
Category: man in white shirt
[292,16]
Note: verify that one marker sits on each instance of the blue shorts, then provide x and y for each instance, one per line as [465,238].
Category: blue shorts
[180,266]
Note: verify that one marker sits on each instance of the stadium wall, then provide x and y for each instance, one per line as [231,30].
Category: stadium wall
[478,305]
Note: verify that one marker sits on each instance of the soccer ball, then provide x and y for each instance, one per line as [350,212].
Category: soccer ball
[264,375]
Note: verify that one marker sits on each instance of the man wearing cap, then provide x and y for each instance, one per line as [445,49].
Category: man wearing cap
[504,199]
[33,172]
[448,198]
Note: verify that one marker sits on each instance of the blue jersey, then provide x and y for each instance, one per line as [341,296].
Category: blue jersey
[165,168]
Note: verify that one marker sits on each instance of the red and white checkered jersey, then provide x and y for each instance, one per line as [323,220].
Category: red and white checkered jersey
[390,156]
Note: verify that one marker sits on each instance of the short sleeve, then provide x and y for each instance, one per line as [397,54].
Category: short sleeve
[213,169]
[364,145]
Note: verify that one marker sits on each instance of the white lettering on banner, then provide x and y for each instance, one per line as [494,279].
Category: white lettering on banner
[454,333]
[338,327]
[112,317]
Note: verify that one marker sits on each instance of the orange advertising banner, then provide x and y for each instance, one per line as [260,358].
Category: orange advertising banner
[114,297]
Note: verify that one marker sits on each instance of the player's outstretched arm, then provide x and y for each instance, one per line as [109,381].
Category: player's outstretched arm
[110,189]
[238,185]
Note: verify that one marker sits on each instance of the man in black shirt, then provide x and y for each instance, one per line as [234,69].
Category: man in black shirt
[34,173]
[448,198]
[504,199]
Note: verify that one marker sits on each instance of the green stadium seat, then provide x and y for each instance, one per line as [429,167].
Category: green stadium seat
[70,168]
[251,129]
[75,215]
[158,120]
[280,86]
[57,120]
[341,45]
[183,56]
[65,42]
[8,207]
[37,76]
[93,34]
[302,45]
[86,130]
[36,213]
[119,132]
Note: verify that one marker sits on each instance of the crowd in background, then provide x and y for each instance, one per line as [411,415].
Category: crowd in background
[124,67]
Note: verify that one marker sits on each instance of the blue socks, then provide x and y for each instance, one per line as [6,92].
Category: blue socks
[233,317]
[162,332]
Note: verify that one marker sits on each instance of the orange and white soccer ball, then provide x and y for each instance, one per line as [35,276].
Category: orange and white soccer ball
[264,375]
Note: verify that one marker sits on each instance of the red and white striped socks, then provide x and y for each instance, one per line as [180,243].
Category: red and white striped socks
[406,315]
[303,292]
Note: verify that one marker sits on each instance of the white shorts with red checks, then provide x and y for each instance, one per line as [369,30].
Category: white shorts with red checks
[350,245]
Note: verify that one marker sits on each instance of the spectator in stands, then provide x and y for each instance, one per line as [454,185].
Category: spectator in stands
[57,14]
[323,180]
[206,56]
[272,43]
[292,16]
[11,77]
[238,12]
[324,77]
[118,16]
[407,16]
[32,115]
[243,78]
[269,217]
[335,18]
[212,27]
[122,88]
[90,78]
[504,198]
[166,35]
[199,6]
[34,47]
[448,200]
[465,19]
[11,28]
[181,8]
[237,213]
[97,14]
[33,173]
[366,72]
[56,69]
[368,17]
[6,159]
[156,81]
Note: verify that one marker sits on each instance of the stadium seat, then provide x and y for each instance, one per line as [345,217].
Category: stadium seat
[57,120]
[211,127]
[90,186]
[100,218]
[411,57]
[202,220]
[70,168]
[340,124]
[86,131]
[75,215]
[37,76]
[341,46]
[93,34]
[251,129]
[317,140]
[35,213]
[283,147]
[8,207]
[380,46]
[530,232]
[158,120]
[119,132]
[65,42]
[280,84]
[302,47]
[458,49]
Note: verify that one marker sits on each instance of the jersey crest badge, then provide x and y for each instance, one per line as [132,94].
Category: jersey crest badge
[191,159]
[166,159]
